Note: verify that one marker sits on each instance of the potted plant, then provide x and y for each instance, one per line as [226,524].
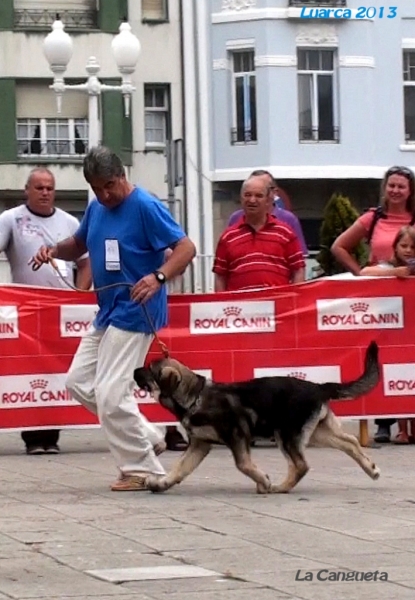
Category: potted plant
[338,215]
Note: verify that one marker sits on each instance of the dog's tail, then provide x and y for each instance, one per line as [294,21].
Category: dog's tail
[364,384]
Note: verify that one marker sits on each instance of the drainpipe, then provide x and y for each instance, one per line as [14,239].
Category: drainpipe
[202,27]
[191,144]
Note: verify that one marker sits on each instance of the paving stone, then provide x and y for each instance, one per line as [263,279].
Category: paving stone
[151,573]
[59,519]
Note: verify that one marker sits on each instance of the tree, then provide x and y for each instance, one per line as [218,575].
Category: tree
[338,215]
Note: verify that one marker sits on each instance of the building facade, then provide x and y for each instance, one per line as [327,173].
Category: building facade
[33,133]
[326,104]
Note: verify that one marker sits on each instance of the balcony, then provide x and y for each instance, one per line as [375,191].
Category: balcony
[243,136]
[41,20]
[319,134]
[319,3]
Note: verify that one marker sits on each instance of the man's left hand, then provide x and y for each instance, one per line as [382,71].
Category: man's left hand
[145,289]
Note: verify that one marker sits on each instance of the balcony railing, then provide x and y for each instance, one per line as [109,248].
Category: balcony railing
[28,19]
[59,149]
[312,3]
[243,136]
[319,134]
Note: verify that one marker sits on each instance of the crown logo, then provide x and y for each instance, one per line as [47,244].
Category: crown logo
[298,375]
[232,311]
[38,384]
[359,307]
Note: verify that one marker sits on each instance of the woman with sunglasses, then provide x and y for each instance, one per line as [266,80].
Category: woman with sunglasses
[398,209]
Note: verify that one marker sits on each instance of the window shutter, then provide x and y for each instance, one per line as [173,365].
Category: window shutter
[153,10]
[116,128]
[6,15]
[8,145]
[111,13]
[36,100]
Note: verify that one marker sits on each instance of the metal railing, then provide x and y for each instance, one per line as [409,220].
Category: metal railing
[60,149]
[199,278]
[239,135]
[319,134]
[191,282]
[312,3]
[27,19]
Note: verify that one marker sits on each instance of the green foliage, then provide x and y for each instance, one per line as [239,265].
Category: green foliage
[339,214]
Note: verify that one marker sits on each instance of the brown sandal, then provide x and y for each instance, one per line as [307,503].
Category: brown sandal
[401,439]
[130,483]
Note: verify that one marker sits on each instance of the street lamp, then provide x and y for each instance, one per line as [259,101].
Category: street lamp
[58,47]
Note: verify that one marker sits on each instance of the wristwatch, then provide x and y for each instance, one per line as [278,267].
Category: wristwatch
[161,278]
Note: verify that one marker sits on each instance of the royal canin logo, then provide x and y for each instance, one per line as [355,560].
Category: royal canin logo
[24,391]
[39,384]
[359,307]
[341,314]
[231,317]
[76,319]
[9,323]
[232,311]
[399,379]
[313,373]
[298,375]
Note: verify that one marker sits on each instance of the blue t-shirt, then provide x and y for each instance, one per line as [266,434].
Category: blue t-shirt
[143,228]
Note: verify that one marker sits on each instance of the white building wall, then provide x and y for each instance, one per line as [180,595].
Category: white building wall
[159,62]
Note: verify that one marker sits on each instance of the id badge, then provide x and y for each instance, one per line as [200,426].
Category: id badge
[112,255]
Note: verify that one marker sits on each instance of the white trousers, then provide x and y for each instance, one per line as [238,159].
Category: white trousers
[101,379]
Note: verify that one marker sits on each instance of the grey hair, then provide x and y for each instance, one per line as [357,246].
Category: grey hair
[250,178]
[103,163]
[39,170]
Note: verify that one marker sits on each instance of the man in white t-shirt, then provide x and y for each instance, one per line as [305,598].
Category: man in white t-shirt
[23,230]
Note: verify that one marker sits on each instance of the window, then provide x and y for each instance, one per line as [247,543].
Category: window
[154,10]
[40,14]
[316,96]
[52,137]
[409,94]
[244,128]
[157,116]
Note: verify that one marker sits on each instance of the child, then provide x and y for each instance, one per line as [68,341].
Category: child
[402,265]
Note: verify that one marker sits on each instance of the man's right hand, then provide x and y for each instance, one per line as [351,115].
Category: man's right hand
[43,255]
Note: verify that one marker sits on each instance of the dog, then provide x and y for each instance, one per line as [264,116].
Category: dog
[232,413]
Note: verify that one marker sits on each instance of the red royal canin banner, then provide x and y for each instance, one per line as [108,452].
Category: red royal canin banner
[318,330]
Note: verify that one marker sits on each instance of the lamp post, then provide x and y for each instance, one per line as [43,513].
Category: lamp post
[58,48]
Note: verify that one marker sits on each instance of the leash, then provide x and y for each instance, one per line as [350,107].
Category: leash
[164,349]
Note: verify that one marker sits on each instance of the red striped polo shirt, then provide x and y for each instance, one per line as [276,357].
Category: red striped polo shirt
[254,259]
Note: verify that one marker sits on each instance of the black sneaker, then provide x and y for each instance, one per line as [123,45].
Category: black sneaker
[383,435]
[53,449]
[34,450]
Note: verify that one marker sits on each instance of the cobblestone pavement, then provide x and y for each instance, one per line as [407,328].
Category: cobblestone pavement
[59,521]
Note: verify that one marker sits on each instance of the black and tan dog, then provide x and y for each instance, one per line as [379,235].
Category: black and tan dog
[230,413]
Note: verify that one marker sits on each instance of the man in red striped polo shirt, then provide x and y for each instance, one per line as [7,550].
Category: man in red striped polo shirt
[258,250]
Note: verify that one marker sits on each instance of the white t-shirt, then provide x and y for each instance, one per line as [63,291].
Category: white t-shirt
[22,233]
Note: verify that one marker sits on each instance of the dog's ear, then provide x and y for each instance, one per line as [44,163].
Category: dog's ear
[170,378]
[201,382]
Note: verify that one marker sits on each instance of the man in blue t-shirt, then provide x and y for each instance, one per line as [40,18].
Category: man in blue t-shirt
[126,232]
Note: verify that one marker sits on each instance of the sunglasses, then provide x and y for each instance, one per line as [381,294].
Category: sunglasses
[404,171]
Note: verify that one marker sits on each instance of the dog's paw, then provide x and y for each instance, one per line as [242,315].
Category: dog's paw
[264,488]
[279,489]
[375,472]
[154,483]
